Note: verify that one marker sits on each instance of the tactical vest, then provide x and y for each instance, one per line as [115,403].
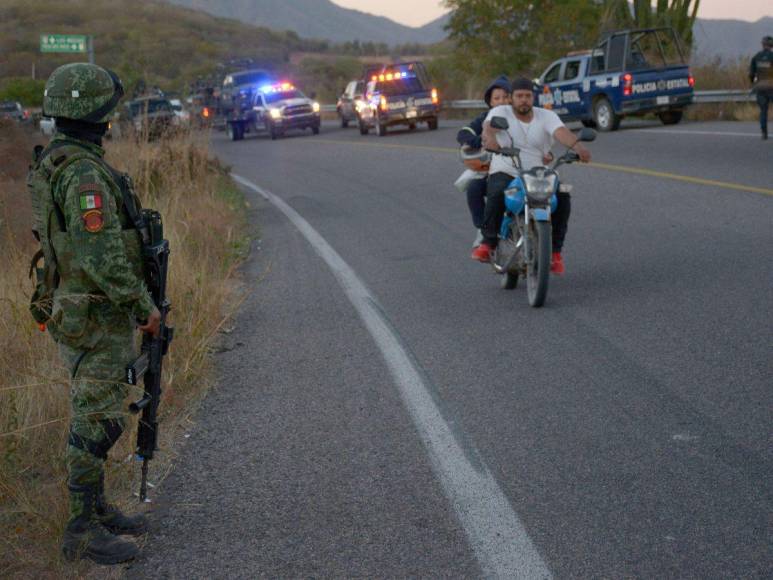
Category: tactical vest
[764,66]
[63,293]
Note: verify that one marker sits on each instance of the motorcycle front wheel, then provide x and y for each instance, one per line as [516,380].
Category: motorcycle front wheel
[538,263]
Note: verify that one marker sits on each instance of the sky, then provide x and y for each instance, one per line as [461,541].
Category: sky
[419,12]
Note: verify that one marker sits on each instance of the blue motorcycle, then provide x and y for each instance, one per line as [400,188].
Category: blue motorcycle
[525,238]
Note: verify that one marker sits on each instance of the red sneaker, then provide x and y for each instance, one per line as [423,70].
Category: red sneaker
[482,253]
[557,263]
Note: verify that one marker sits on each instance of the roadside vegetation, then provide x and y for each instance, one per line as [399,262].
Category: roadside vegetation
[204,218]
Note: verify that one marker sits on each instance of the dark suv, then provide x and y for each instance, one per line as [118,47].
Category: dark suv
[349,103]
[151,115]
[14,111]
[399,94]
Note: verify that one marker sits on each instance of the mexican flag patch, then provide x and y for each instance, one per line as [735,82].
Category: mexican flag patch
[91,201]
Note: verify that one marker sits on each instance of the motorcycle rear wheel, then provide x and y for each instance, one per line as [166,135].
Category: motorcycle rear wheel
[538,263]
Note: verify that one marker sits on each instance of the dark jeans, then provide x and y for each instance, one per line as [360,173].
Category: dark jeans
[495,210]
[476,201]
[763,100]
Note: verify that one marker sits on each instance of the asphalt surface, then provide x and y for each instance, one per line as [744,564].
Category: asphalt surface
[627,423]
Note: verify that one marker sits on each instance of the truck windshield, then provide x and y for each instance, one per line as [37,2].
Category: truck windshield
[150,106]
[283,95]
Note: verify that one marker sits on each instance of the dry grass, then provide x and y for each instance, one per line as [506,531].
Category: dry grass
[722,75]
[204,221]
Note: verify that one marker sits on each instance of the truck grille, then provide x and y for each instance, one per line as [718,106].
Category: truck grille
[297,110]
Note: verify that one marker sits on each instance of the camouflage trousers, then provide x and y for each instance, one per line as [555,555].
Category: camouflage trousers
[97,393]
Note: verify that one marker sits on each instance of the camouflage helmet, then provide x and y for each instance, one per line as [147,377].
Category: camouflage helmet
[82,92]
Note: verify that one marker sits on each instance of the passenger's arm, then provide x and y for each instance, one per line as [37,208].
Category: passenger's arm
[490,137]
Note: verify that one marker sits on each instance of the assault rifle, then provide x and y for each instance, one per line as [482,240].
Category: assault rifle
[155,250]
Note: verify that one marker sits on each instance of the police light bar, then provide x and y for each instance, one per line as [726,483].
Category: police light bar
[276,88]
[394,75]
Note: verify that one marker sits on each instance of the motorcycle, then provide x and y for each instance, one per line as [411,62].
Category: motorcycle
[525,238]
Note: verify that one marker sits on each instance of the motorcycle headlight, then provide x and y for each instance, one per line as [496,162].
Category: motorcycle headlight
[275,113]
[315,107]
[541,185]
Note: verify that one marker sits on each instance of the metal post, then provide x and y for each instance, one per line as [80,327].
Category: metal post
[90,45]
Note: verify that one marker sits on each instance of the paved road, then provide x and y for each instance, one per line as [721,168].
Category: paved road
[385,410]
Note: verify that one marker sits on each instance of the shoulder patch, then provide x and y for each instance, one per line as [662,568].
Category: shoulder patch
[93,221]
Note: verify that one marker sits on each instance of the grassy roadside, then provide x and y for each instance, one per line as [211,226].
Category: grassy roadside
[205,222]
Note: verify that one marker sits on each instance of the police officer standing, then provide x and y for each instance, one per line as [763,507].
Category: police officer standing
[93,267]
[761,76]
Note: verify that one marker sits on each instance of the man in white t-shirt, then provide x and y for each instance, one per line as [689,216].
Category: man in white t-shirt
[533,130]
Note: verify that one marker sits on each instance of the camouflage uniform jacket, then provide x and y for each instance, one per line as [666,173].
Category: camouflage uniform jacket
[98,252]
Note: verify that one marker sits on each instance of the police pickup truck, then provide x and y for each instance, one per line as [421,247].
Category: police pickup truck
[630,73]
[274,109]
[398,94]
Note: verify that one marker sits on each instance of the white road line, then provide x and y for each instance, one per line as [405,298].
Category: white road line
[500,542]
[688,132]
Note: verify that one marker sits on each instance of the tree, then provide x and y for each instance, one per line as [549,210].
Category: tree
[27,91]
[517,36]
[679,14]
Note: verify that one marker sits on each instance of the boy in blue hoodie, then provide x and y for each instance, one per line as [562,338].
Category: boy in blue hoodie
[498,93]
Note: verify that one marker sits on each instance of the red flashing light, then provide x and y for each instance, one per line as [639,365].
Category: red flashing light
[205,113]
[383,103]
[435,97]
[691,81]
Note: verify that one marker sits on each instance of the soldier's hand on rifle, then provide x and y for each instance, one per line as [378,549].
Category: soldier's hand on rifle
[153,323]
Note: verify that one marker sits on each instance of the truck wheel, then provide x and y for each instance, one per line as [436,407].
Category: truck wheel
[670,117]
[432,124]
[381,128]
[364,129]
[604,116]
[315,128]
[344,122]
[274,132]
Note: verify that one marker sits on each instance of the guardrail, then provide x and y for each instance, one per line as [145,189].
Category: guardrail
[734,96]
[700,97]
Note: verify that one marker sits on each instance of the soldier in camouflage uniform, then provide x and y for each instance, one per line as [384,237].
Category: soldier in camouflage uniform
[761,76]
[97,295]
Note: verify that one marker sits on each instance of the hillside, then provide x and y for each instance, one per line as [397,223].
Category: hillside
[167,45]
[731,39]
[320,19]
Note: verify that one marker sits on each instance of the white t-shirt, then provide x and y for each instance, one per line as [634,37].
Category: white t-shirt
[534,139]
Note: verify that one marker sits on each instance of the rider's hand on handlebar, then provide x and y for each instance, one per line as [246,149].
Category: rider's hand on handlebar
[490,142]
[584,154]
[547,158]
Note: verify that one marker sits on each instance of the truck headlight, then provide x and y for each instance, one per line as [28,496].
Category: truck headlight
[315,107]
[275,113]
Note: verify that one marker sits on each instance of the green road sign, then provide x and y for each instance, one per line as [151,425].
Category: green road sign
[64,43]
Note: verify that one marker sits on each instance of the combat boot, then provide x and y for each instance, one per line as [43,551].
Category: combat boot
[114,520]
[85,537]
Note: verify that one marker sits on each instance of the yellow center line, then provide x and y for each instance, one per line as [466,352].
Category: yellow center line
[607,166]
